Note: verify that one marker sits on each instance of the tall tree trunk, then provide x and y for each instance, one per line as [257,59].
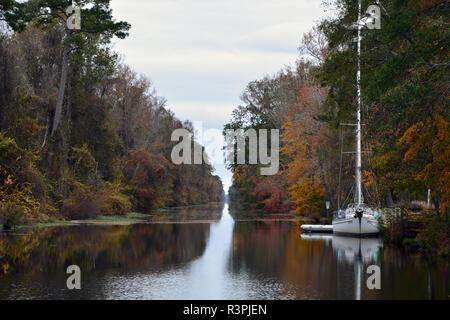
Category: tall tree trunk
[61,90]
[59,104]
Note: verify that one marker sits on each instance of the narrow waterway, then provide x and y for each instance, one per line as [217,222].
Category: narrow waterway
[215,258]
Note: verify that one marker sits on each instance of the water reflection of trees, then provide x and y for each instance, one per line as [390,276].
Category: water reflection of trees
[210,211]
[307,269]
[406,276]
[133,248]
[274,250]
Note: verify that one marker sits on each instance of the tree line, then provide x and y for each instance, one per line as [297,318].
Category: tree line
[81,133]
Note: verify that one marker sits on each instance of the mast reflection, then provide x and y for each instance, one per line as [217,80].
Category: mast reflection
[350,251]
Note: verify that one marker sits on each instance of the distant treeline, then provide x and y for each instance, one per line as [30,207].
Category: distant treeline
[81,133]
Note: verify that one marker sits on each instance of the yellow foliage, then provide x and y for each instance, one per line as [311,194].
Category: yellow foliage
[307,196]
[113,201]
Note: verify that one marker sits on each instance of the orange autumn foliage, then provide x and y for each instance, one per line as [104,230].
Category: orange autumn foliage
[430,137]
[302,138]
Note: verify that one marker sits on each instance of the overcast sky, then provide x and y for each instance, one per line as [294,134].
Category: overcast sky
[200,54]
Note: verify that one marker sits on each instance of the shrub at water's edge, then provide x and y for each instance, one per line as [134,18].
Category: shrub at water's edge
[426,232]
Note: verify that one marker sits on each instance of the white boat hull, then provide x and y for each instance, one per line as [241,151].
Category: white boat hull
[366,226]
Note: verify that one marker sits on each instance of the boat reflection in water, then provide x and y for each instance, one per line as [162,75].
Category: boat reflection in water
[350,250]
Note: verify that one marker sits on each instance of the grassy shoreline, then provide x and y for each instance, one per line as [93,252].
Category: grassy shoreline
[129,218]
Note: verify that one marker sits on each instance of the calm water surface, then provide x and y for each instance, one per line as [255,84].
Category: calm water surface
[208,255]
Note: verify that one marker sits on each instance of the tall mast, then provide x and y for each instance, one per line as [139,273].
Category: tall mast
[359,197]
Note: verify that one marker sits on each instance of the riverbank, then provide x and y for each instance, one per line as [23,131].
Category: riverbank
[129,218]
[181,214]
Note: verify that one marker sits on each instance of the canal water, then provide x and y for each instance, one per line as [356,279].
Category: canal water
[208,254]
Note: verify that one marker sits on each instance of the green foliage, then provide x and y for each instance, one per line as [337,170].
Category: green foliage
[83,163]
[9,151]
[14,13]
[11,215]
[21,184]
[96,15]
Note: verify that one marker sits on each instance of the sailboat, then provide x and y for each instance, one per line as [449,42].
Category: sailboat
[358,219]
